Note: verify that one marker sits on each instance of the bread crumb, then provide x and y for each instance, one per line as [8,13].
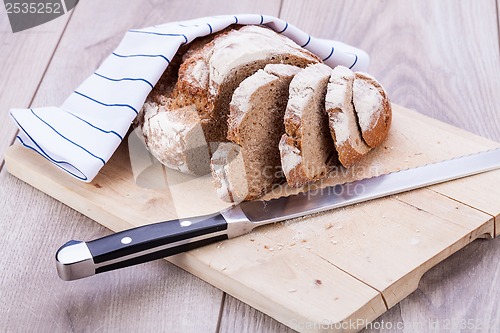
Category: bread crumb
[252,240]
[318,282]
[333,242]
[329,226]
[292,290]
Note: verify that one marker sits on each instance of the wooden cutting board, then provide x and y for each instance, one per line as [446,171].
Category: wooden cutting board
[327,272]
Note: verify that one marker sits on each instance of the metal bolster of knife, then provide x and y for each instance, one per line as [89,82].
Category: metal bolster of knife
[74,261]
[77,259]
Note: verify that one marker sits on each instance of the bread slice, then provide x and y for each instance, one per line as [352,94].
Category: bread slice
[208,76]
[251,166]
[342,118]
[372,108]
[307,147]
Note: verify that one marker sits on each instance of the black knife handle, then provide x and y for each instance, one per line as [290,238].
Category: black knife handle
[139,245]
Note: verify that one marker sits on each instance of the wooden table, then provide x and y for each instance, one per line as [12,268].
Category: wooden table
[438,57]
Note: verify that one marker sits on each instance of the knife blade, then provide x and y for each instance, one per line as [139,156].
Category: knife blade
[77,259]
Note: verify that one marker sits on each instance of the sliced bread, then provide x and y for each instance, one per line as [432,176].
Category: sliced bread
[307,147]
[251,166]
[208,76]
[342,118]
[372,108]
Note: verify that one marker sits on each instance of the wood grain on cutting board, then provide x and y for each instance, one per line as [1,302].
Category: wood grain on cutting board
[338,266]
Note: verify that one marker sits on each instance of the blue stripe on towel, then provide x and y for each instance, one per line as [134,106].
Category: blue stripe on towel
[308,40]
[141,55]
[159,34]
[125,79]
[355,61]
[56,163]
[94,100]
[331,52]
[97,128]
[45,155]
[62,136]
[210,28]
[286,27]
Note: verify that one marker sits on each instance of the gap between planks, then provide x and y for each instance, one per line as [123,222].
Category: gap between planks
[356,278]
[221,312]
[465,204]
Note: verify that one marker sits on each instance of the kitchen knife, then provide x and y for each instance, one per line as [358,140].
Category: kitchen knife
[77,259]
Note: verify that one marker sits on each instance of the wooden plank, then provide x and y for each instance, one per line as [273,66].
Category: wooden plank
[132,300]
[25,56]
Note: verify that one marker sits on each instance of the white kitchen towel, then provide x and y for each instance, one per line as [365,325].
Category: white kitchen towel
[80,136]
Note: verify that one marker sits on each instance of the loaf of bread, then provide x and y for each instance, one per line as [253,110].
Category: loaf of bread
[255,109]
[202,85]
[250,165]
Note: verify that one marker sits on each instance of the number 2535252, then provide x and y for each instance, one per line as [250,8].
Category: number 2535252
[33,8]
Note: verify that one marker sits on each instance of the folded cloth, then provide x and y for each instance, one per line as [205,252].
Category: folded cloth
[81,135]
